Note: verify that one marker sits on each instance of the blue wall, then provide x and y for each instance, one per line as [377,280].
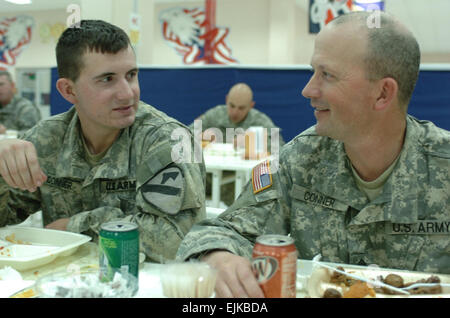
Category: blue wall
[185,93]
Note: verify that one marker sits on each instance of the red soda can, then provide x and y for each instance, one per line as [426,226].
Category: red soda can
[275,265]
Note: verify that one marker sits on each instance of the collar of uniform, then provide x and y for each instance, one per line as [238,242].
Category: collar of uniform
[333,177]
[73,152]
[71,162]
[401,190]
[115,163]
[398,203]
[399,197]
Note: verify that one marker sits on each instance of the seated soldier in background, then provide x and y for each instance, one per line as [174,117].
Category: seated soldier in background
[110,157]
[16,113]
[368,184]
[239,114]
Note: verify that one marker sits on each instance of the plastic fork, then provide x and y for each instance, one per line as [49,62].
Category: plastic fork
[416,285]
[366,280]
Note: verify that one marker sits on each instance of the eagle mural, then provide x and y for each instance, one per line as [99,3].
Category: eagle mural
[15,35]
[188,32]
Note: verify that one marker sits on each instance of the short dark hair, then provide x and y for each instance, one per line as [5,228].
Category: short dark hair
[89,35]
[392,51]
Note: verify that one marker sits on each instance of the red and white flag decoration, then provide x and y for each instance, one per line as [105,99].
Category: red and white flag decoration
[15,35]
[323,11]
[193,34]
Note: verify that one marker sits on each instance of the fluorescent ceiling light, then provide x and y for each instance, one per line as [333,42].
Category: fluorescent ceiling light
[19,1]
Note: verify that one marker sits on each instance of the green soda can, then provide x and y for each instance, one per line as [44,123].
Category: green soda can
[118,249]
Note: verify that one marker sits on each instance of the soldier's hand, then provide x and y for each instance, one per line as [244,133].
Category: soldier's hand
[19,165]
[235,276]
[60,224]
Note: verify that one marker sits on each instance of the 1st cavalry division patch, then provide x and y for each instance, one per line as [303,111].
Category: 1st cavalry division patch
[261,177]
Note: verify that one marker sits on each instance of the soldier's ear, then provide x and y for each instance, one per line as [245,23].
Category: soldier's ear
[65,88]
[387,93]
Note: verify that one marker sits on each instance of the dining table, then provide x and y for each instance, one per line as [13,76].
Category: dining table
[86,257]
[219,158]
[19,281]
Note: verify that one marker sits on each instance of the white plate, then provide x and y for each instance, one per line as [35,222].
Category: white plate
[41,246]
[319,280]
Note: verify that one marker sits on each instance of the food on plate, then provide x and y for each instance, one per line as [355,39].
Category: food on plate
[359,290]
[5,251]
[397,281]
[394,280]
[27,293]
[12,239]
[327,283]
[339,278]
[332,293]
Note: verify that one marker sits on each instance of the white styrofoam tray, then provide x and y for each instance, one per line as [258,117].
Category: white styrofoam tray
[39,246]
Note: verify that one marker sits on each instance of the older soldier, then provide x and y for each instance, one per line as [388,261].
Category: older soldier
[368,184]
[110,157]
[16,113]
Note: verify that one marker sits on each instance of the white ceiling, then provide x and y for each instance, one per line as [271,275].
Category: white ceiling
[36,5]
[429,20]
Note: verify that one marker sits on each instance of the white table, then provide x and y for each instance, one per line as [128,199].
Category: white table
[213,212]
[218,159]
[149,273]
[87,257]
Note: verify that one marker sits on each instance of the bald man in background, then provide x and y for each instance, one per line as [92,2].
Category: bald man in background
[239,112]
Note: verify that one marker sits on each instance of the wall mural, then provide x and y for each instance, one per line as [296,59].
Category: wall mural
[15,35]
[323,11]
[193,35]
[51,32]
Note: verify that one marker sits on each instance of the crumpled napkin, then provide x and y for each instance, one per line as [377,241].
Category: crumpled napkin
[11,282]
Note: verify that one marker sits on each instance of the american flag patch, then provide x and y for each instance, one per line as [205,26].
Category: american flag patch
[261,177]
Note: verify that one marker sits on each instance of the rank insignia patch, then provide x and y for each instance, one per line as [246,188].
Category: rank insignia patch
[261,177]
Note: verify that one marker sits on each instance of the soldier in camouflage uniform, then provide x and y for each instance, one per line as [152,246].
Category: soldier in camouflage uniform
[238,114]
[368,184]
[110,157]
[16,113]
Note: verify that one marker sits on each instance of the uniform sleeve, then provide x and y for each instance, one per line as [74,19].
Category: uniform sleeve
[170,193]
[16,205]
[250,216]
